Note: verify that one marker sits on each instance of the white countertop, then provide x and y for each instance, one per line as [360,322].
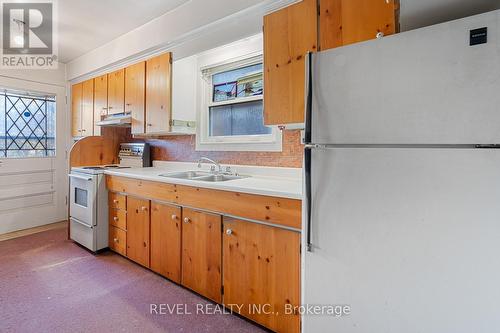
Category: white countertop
[271,181]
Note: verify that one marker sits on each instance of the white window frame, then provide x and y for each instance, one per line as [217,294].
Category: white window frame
[264,142]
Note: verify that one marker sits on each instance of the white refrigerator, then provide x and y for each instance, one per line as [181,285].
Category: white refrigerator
[402,182]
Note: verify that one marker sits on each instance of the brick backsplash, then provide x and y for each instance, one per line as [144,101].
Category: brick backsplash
[182,148]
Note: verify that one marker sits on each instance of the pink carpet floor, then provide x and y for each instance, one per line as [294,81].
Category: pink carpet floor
[50,284]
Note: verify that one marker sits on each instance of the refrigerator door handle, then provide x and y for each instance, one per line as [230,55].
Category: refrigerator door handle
[308,101]
[308,197]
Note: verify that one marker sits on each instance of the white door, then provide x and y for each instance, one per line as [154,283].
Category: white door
[408,238]
[32,189]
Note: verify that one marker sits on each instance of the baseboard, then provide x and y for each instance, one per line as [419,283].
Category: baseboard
[30,231]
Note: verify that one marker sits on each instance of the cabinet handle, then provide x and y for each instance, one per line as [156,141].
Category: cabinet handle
[110,107]
[115,201]
[84,130]
[187,220]
[229,232]
[128,104]
[150,125]
[115,218]
[174,217]
[116,240]
[143,208]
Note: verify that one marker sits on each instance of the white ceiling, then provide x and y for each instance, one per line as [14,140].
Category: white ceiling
[87,24]
[420,13]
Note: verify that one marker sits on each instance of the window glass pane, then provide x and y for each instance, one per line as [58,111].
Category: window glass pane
[237,119]
[81,197]
[241,82]
[27,125]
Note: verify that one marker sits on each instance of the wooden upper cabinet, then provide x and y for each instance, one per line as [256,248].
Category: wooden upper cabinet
[201,253]
[261,265]
[288,35]
[76,109]
[159,93]
[116,92]
[138,230]
[166,227]
[100,100]
[344,22]
[135,89]
[87,125]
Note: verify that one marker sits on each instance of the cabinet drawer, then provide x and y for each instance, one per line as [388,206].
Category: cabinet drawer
[118,201]
[118,240]
[118,218]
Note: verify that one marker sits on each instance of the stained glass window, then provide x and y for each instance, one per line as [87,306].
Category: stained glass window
[27,125]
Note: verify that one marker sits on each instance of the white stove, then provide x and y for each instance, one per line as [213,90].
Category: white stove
[88,209]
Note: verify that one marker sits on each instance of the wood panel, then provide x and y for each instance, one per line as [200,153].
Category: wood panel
[116,92]
[280,211]
[87,124]
[118,218]
[118,240]
[289,34]
[159,93]
[135,90]
[261,265]
[344,22]
[138,230]
[142,188]
[76,109]
[93,150]
[117,200]
[201,253]
[100,100]
[166,240]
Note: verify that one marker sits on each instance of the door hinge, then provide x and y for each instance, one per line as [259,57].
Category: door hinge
[66,200]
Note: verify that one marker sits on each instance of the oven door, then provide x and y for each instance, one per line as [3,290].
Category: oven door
[83,189]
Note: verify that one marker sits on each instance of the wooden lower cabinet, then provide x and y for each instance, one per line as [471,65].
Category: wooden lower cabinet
[138,230]
[166,240]
[118,240]
[261,266]
[201,253]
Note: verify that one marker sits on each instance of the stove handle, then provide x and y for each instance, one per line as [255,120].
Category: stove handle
[80,177]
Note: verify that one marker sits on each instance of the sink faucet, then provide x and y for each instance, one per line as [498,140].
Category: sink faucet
[212,168]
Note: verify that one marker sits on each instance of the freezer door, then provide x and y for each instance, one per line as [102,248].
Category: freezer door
[408,238]
[426,86]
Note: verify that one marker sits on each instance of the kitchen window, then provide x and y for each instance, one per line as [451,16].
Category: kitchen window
[27,124]
[232,108]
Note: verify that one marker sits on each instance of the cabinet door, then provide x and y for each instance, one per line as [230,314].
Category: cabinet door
[166,240]
[158,93]
[288,35]
[76,109]
[87,126]
[344,22]
[138,230]
[201,253]
[116,92]
[262,266]
[117,240]
[135,89]
[100,100]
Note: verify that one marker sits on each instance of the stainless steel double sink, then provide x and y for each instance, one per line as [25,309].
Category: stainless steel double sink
[202,176]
